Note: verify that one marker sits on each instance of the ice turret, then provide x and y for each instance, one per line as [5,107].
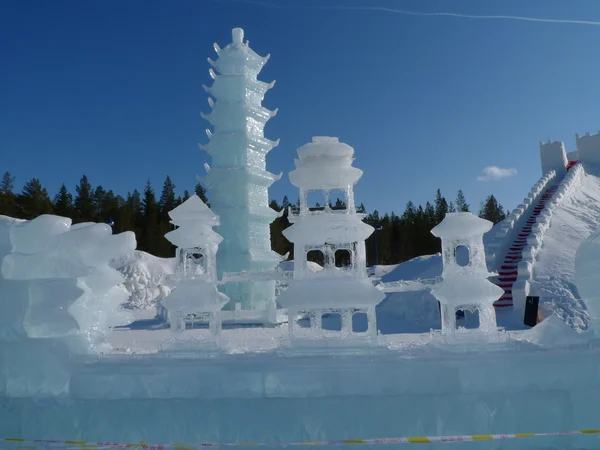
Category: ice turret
[338,235]
[194,237]
[195,290]
[465,275]
[238,180]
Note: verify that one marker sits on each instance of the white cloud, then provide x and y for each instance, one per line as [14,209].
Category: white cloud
[494,173]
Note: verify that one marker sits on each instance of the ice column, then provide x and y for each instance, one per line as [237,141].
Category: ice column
[343,287]
[195,290]
[238,180]
[465,283]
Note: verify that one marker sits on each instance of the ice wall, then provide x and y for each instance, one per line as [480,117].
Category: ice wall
[554,157]
[56,281]
[266,399]
[588,147]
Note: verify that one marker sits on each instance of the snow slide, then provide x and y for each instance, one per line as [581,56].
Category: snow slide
[573,220]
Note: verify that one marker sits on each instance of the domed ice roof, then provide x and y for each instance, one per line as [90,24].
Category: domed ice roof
[461,225]
[326,146]
[325,163]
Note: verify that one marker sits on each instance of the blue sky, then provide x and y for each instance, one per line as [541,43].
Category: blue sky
[113,89]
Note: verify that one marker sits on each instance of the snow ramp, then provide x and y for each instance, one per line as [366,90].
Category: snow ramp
[533,249]
[571,221]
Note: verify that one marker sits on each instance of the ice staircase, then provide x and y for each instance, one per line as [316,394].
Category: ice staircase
[507,274]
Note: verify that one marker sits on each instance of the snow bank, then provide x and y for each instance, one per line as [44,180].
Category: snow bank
[145,278]
[288,266]
[414,311]
[502,235]
[574,216]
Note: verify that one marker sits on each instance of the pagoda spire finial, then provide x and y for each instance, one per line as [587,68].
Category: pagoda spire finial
[237,36]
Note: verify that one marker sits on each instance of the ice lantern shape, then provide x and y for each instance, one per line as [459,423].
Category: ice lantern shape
[238,180]
[194,238]
[325,165]
[465,283]
[587,278]
[195,291]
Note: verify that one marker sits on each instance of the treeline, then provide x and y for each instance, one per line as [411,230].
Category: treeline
[143,213]
[399,237]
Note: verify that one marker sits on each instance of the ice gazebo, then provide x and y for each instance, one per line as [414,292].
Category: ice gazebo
[325,166]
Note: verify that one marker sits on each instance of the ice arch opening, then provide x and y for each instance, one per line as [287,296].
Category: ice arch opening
[462,254]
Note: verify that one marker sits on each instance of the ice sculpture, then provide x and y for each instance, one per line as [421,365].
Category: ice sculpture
[343,287]
[465,283]
[64,279]
[587,278]
[238,180]
[195,290]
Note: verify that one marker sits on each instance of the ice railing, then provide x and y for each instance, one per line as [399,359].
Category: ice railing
[522,285]
[320,210]
[408,285]
[507,230]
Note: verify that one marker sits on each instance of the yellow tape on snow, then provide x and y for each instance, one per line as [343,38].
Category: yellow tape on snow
[83,445]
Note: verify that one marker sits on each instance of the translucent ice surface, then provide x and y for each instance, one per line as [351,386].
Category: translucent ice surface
[465,274]
[59,276]
[238,180]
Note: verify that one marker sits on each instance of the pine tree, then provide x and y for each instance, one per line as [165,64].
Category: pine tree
[63,202]
[441,207]
[492,210]
[201,192]
[339,204]
[84,208]
[361,209]
[186,195]
[7,196]
[34,200]
[461,203]
[167,200]
[150,239]
[451,208]
[431,216]
[7,184]
[98,198]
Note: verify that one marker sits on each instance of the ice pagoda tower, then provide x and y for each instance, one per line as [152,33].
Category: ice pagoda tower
[324,166]
[238,180]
